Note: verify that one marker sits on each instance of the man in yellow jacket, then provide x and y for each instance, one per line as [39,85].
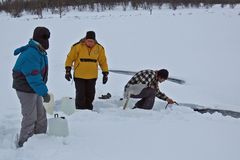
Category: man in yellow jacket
[84,57]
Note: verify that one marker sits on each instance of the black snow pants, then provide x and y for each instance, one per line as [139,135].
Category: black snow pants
[147,96]
[85,93]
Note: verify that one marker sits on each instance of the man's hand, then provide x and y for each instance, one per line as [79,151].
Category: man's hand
[68,75]
[105,77]
[170,101]
[46,98]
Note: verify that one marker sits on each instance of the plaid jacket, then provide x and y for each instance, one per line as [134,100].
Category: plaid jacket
[148,77]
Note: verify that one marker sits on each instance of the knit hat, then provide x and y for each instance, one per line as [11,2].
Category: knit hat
[91,35]
[163,73]
[41,35]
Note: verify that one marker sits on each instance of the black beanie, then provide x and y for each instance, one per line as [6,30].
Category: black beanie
[41,35]
[91,35]
[163,73]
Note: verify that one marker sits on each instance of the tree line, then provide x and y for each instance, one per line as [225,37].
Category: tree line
[16,7]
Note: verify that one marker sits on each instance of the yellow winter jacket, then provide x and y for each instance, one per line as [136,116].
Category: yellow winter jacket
[85,60]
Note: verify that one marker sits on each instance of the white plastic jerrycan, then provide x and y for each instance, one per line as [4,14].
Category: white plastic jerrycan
[67,105]
[58,126]
[50,105]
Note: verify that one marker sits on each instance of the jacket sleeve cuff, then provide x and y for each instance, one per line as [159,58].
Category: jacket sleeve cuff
[68,68]
[105,73]
[165,98]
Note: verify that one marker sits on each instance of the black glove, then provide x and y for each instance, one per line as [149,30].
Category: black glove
[68,75]
[46,98]
[105,77]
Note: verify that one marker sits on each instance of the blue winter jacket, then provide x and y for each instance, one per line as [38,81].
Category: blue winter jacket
[31,69]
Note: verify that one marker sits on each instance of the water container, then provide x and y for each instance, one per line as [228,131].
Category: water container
[58,126]
[67,105]
[50,105]
[134,89]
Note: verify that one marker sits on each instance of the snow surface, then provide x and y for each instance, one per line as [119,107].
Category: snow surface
[200,46]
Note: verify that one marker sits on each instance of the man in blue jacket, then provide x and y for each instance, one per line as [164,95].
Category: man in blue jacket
[29,80]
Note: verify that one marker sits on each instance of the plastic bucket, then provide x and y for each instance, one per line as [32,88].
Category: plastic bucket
[67,105]
[50,105]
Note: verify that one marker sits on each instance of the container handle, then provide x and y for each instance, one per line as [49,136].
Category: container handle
[55,115]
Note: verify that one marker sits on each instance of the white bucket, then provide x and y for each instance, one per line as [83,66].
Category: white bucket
[67,105]
[134,89]
[50,105]
[58,126]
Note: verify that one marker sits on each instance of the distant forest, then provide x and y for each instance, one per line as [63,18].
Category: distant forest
[35,7]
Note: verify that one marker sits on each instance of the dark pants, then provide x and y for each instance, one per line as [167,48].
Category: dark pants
[85,93]
[147,96]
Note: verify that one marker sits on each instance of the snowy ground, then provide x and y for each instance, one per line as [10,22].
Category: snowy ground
[199,45]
